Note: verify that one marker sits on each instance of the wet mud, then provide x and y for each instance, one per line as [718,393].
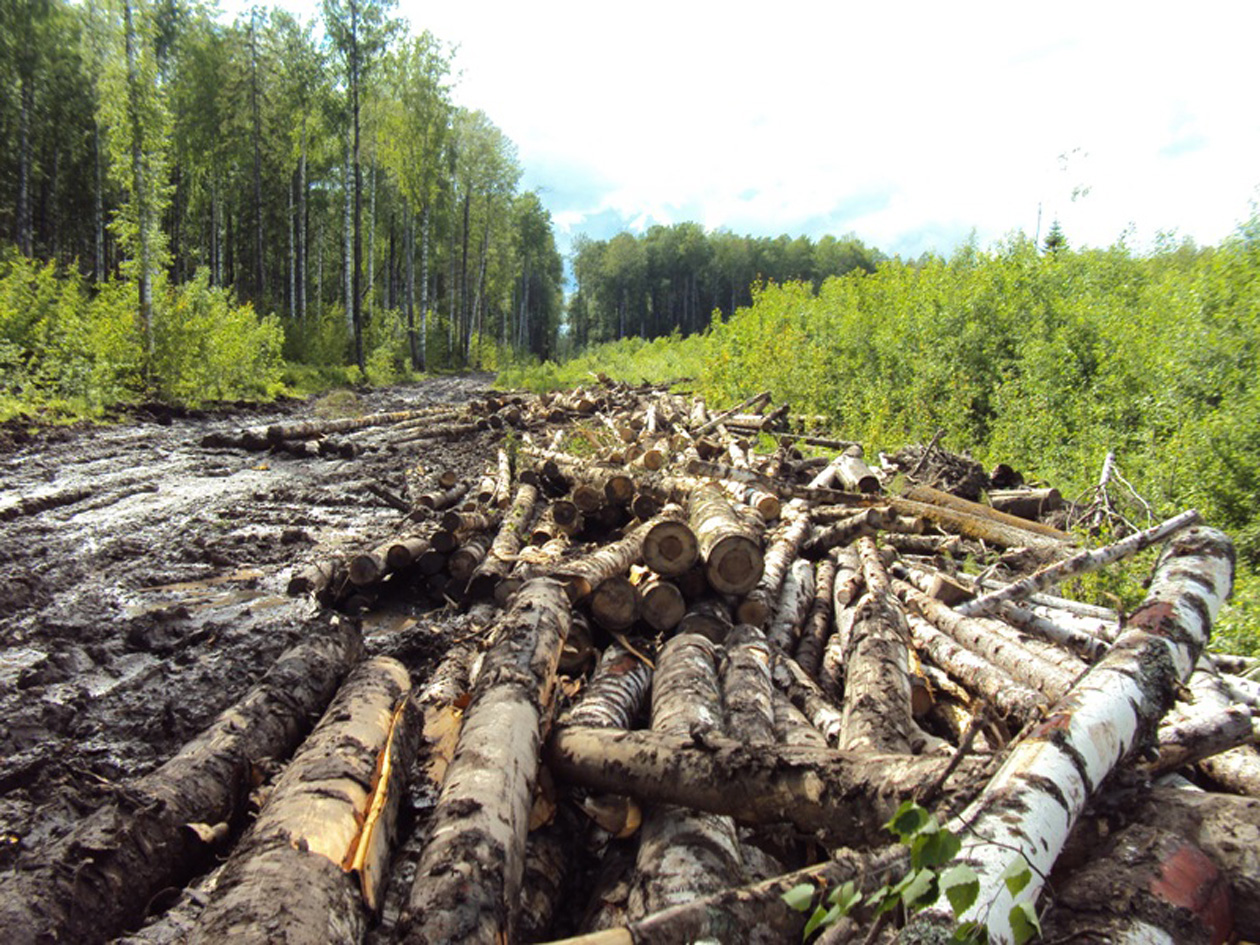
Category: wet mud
[150,594]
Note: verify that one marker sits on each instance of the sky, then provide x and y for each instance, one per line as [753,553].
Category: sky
[912,125]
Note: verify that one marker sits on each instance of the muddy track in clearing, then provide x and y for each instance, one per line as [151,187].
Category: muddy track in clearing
[130,618]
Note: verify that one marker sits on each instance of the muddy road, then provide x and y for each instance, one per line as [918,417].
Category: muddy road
[131,616]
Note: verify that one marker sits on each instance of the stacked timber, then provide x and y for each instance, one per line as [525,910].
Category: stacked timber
[681,687]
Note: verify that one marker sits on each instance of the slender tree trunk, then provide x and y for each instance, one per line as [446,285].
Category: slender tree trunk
[26,97]
[356,293]
[302,247]
[479,304]
[425,216]
[256,120]
[98,206]
[409,242]
[138,182]
[463,277]
[216,231]
[371,254]
[452,289]
[293,308]
[387,288]
[348,281]
[177,220]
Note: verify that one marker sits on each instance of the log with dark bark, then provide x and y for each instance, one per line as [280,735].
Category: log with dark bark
[290,879]
[682,853]
[105,872]
[747,689]
[834,793]
[877,691]
[1026,503]
[507,542]
[469,876]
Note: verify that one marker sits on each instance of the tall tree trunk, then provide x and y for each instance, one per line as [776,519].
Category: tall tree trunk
[216,231]
[347,279]
[409,242]
[356,293]
[26,97]
[463,278]
[370,293]
[177,220]
[256,121]
[292,250]
[138,182]
[387,293]
[425,216]
[302,224]
[98,206]
[479,304]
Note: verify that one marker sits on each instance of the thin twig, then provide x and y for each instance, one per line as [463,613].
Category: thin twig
[978,718]
[927,452]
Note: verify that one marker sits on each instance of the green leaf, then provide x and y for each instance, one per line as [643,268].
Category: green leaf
[1017,875]
[921,890]
[799,897]
[970,933]
[815,921]
[845,897]
[1025,925]
[886,898]
[934,847]
[961,886]
[909,820]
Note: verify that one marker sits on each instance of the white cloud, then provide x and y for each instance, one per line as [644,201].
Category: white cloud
[910,124]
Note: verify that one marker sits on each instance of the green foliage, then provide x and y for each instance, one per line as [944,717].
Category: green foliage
[1045,362]
[206,348]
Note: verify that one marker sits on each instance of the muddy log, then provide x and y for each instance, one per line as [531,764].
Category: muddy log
[877,691]
[663,604]
[1012,699]
[1144,884]
[469,877]
[836,794]
[808,697]
[984,639]
[747,689]
[511,536]
[442,500]
[306,429]
[1190,740]
[978,527]
[405,551]
[683,853]
[818,622]
[935,497]
[582,575]
[795,600]
[1032,802]
[846,587]
[731,554]
[710,617]
[758,606]
[756,914]
[290,878]
[105,872]
[531,562]
[617,692]
[615,604]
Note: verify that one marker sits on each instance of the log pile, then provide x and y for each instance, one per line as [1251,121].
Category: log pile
[689,683]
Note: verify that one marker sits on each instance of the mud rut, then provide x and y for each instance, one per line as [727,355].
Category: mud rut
[130,619]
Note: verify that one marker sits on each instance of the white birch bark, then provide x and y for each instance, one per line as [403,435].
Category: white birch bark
[1037,795]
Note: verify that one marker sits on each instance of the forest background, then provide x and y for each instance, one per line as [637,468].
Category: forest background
[201,211]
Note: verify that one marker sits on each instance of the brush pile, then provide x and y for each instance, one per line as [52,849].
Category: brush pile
[695,671]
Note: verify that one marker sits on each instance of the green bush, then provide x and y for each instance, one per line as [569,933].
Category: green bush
[206,348]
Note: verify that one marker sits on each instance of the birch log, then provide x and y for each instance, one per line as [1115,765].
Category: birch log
[1031,803]
[877,714]
[732,556]
[818,623]
[747,689]
[682,853]
[288,879]
[469,876]
[110,866]
[758,606]
[1082,563]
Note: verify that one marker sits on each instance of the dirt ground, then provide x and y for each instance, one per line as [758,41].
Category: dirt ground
[131,618]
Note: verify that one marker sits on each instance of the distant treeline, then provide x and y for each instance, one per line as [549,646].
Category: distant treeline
[317,169]
[1044,358]
[673,278]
